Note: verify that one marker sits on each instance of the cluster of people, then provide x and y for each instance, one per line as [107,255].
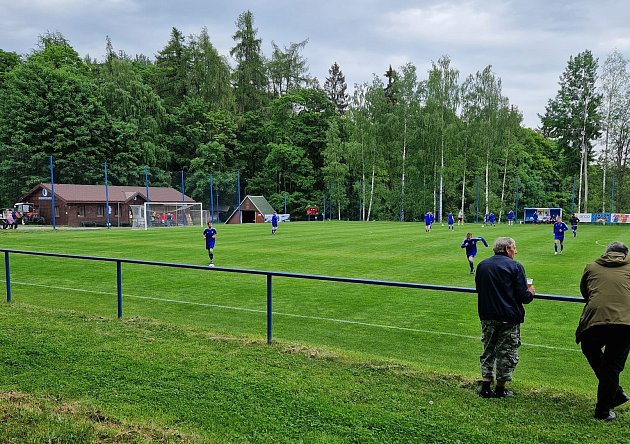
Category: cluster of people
[12,220]
[165,219]
[603,330]
[488,219]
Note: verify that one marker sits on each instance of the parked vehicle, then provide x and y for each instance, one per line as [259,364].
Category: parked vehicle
[30,213]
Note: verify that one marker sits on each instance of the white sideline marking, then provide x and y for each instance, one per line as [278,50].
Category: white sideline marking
[317,318]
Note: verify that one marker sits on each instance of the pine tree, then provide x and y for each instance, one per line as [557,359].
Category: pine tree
[250,81]
[335,87]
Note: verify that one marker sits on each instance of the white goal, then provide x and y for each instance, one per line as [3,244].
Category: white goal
[170,214]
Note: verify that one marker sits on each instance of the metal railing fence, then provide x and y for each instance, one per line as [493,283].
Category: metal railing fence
[267,274]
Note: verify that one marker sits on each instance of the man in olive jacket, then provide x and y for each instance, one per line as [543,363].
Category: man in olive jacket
[604,328]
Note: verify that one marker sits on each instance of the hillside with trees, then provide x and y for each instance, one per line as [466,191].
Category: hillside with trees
[390,148]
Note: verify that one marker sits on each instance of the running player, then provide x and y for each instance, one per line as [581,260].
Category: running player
[210,235]
[470,244]
[574,221]
[559,228]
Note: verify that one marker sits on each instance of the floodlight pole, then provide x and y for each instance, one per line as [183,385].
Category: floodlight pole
[477,212]
[52,191]
[106,199]
[238,190]
[147,217]
[573,195]
[516,199]
[612,194]
[183,208]
[211,201]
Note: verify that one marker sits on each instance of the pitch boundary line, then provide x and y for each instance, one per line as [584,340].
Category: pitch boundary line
[293,315]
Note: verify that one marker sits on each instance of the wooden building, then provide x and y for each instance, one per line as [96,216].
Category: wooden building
[253,211]
[84,205]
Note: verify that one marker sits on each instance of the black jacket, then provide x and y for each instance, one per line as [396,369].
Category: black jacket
[501,289]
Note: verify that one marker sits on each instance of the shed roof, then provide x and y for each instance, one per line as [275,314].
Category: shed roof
[261,204]
[115,193]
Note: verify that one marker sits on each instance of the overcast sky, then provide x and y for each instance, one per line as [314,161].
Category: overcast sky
[527,42]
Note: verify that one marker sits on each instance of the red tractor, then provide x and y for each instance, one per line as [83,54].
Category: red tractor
[29,213]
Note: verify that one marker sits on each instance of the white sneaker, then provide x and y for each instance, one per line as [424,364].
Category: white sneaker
[555,253]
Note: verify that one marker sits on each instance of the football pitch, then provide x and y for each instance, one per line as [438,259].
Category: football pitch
[432,330]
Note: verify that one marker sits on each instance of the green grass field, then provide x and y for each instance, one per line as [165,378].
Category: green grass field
[389,348]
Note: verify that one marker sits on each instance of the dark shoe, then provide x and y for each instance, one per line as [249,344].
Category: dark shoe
[503,393]
[485,390]
[620,398]
[485,393]
[605,416]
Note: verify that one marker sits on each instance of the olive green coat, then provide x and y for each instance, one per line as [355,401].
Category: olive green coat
[605,285]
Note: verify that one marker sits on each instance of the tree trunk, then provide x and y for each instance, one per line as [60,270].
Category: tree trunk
[503,185]
[487,180]
[371,191]
[402,181]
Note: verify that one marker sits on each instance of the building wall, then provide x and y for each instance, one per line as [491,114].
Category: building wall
[69,212]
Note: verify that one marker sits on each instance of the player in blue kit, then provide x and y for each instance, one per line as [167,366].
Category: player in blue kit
[427,221]
[559,229]
[510,217]
[451,221]
[274,223]
[210,235]
[470,244]
[574,220]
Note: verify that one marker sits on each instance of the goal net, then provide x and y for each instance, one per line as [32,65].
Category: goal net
[170,214]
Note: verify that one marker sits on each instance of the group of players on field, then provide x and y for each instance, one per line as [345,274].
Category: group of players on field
[470,242]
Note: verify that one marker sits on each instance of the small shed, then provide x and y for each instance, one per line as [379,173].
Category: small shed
[253,211]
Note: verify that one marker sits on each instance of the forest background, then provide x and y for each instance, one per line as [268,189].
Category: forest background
[398,146]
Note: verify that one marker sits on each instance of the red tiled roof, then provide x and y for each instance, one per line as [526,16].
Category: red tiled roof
[115,193]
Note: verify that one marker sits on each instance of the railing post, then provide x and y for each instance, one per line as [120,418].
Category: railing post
[269,309]
[119,287]
[7,272]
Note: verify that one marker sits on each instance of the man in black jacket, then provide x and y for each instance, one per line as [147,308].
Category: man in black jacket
[502,290]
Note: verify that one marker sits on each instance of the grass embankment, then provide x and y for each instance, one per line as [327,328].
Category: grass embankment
[71,378]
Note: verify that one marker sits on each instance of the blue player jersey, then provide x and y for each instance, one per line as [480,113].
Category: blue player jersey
[450,219]
[209,233]
[558,230]
[471,245]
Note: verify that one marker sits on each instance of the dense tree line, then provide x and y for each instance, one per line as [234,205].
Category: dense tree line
[403,144]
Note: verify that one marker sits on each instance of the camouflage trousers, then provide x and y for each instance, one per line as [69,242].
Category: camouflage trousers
[501,341]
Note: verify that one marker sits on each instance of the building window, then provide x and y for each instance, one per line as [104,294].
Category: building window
[115,210]
[81,211]
[100,211]
[56,210]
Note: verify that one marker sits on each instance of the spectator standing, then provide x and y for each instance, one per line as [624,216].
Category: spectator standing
[604,328]
[502,290]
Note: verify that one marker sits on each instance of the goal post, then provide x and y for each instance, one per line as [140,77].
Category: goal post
[172,214]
